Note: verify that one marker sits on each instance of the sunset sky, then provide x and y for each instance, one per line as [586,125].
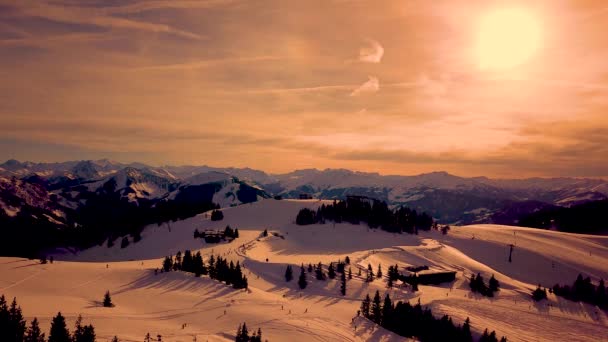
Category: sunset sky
[502,89]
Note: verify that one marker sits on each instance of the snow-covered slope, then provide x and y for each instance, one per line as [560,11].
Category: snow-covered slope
[161,303]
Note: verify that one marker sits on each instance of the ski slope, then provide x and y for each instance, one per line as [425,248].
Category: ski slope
[160,304]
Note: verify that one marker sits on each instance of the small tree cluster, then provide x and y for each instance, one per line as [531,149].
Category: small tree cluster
[539,294]
[217,215]
[421,323]
[583,290]
[478,285]
[217,268]
[393,275]
[242,334]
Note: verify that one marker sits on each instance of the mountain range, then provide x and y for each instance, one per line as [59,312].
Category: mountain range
[448,198]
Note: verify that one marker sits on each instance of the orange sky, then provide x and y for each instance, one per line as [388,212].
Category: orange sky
[386,86]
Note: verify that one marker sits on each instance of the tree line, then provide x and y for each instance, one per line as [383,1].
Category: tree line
[375,213]
[216,268]
[13,327]
[413,321]
[583,290]
[242,334]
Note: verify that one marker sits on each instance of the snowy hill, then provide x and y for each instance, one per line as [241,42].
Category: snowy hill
[161,304]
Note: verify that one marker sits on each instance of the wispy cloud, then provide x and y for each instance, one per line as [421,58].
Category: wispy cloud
[372,53]
[91,16]
[206,63]
[371,86]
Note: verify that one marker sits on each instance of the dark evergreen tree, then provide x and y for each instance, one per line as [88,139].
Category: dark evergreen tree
[78,330]
[376,309]
[242,334]
[125,242]
[288,273]
[88,334]
[331,272]
[466,331]
[16,322]
[107,300]
[387,312]
[265,233]
[34,334]
[168,264]
[320,275]
[302,283]
[379,273]
[365,306]
[217,215]
[309,268]
[539,294]
[5,331]
[494,285]
[343,284]
[59,331]
[350,273]
[370,273]
[347,260]
[115,339]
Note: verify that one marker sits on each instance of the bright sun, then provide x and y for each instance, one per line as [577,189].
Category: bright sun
[507,38]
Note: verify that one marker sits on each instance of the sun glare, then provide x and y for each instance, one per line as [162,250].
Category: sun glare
[507,38]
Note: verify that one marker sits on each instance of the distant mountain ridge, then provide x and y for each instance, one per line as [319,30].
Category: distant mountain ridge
[449,198]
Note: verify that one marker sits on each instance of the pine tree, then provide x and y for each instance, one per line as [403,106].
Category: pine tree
[370,273]
[4,320]
[107,300]
[320,275]
[376,309]
[343,284]
[302,283]
[331,272]
[168,264]
[265,233]
[78,330]
[243,335]
[149,339]
[88,334]
[309,268]
[347,260]
[59,332]
[494,285]
[414,283]
[387,311]
[466,331]
[33,332]
[365,306]
[359,273]
[379,273]
[17,323]
[350,273]
[288,273]
[115,339]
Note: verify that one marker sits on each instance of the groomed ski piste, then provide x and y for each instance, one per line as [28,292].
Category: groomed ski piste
[181,307]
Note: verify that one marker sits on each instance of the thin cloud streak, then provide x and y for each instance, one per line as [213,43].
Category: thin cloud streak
[371,86]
